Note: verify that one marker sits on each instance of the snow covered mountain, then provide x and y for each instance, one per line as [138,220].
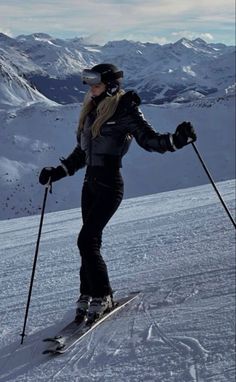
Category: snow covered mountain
[182,71]
[177,248]
[14,88]
[37,135]
[35,131]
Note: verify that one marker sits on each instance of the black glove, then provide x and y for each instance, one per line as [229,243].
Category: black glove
[51,173]
[184,134]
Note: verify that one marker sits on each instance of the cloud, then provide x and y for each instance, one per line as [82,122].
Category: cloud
[192,35]
[149,20]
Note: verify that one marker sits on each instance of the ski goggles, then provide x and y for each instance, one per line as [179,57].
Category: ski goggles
[91,77]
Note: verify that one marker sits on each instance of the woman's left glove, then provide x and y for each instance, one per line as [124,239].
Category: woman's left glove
[184,134]
[51,173]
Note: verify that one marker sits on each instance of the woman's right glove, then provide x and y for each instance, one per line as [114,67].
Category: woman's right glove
[51,173]
[184,134]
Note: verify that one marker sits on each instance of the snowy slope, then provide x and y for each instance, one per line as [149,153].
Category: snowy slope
[35,131]
[56,57]
[38,135]
[176,247]
[15,90]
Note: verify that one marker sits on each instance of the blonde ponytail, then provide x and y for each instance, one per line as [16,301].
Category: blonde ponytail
[105,110]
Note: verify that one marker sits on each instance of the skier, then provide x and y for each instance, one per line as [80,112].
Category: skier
[109,119]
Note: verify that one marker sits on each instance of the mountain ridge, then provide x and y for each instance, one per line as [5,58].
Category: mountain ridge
[36,128]
[161,73]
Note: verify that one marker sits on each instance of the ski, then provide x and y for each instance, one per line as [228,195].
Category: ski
[65,333]
[74,332]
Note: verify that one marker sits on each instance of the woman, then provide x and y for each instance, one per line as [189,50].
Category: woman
[109,119]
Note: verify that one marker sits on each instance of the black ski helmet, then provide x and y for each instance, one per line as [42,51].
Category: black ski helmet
[109,74]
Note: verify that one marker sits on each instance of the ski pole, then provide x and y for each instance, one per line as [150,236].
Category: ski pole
[48,186]
[213,184]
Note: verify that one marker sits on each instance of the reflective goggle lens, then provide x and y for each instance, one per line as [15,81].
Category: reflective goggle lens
[90,77]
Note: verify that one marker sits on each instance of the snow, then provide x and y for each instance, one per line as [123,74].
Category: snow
[176,247]
[42,58]
[188,69]
[15,169]
[90,49]
[39,134]
[231,89]
[15,90]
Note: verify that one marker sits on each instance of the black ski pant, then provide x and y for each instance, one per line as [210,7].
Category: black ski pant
[102,194]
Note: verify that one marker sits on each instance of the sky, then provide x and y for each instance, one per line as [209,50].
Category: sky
[100,21]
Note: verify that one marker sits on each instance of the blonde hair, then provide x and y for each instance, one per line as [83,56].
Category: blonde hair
[105,110]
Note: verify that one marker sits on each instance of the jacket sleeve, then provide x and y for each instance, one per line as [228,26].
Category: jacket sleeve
[145,135]
[75,161]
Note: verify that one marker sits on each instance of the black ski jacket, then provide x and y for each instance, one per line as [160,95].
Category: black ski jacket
[108,148]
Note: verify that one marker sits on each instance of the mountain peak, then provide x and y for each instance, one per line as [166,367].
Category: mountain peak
[199,41]
[34,36]
[121,43]
[183,42]
[161,73]
[4,37]
[41,35]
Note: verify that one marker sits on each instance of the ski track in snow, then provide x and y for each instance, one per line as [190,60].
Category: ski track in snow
[177,248]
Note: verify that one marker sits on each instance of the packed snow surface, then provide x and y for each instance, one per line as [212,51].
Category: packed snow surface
[176,247]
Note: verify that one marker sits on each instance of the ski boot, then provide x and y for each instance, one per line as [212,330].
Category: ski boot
[99,306]
[82,307]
